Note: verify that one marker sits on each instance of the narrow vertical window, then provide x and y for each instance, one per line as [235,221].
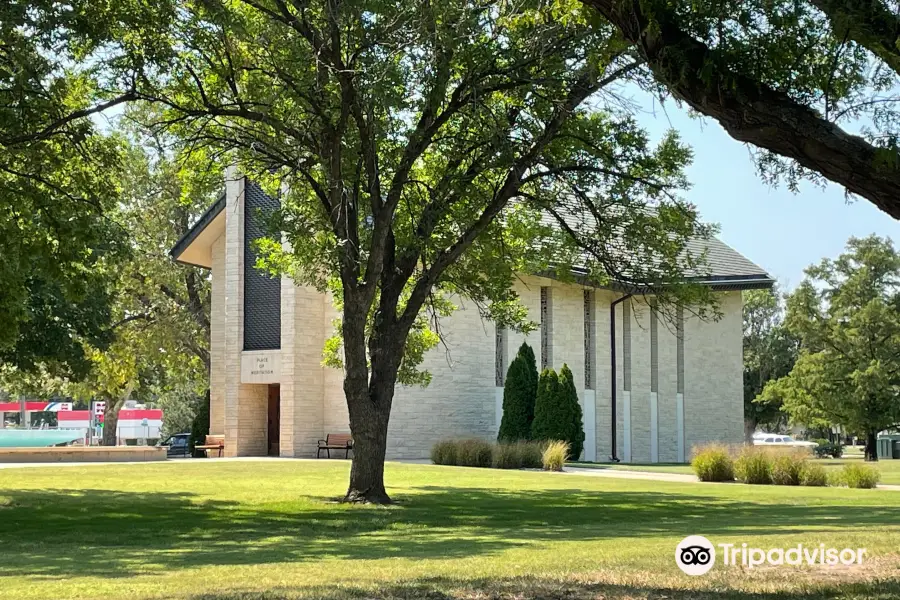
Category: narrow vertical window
[679,352]
[654,346]
[546,359]
[589,331]
[500,357]
[626,345]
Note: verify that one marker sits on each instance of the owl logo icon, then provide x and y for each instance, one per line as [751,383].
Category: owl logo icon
[695,555]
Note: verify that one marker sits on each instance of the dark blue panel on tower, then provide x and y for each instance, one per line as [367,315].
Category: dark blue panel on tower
[262,294]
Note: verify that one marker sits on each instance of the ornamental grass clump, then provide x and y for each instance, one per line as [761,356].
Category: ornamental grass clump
[474,453]
[859,476]
[444,453]
[518,455]
[463,453]
[712,462]
[554,456]
[813,475]
[787,467]
[754,466]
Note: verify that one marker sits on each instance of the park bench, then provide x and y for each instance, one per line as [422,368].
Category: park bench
[335,441]
[213,442]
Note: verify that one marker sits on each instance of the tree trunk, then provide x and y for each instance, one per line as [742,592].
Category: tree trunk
[368,424]
[111,424]
[872,445]
[111,418]
[749,429]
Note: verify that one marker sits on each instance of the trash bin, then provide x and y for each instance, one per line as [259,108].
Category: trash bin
[884,447]
[895,449]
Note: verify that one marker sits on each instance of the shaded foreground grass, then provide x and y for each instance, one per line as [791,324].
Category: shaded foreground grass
[269,530]
[890,469]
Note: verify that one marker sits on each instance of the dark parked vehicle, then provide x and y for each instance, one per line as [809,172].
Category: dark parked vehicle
[177,445]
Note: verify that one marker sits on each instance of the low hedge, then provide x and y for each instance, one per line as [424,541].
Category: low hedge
[473,452]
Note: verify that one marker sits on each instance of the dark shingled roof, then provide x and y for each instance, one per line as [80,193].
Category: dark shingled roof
[726,267]
[723,260]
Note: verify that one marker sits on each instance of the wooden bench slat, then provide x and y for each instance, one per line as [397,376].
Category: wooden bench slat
[335,441]
[213,442]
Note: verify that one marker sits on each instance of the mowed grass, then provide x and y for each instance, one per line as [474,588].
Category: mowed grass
[266,530]
[890,469]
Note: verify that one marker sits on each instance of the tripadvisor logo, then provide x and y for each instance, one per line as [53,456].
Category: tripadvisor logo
[696,555]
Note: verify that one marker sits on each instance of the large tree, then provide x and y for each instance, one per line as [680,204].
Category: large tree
[58,182]
[418,146]
[769,353]
[847,315]
[793,78]
[420,149]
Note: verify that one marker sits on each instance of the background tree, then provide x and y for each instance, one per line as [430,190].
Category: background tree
[790,77]
[160,348]
[58,180]
[770,351]
[847,315]
[200,425]
[519,393]
[59,175]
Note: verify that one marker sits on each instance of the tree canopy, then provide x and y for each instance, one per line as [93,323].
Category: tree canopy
[58,180]
[422,150]
[811,83]
[847,315]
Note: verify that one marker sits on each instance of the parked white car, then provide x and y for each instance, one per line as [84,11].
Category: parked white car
[774,439]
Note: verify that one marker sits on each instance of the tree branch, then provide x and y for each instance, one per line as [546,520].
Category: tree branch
[751,111]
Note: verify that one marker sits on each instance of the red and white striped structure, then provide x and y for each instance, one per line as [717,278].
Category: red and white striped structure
[139,423]
[133,423]
[73,419]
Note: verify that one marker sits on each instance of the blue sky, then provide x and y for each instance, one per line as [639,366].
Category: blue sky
[781,231]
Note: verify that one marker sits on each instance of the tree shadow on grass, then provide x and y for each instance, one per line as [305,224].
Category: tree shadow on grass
[65,533]
[537,588]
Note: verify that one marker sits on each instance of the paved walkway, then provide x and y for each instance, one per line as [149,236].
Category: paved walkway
[654,476]
[622,474]
[169,461]
[583,471]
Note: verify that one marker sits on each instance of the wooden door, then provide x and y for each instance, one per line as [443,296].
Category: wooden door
[274,419]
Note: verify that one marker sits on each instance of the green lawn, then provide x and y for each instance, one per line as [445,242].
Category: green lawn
[209,530]
[890,469]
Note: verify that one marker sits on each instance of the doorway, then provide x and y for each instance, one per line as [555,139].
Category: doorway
[274,419]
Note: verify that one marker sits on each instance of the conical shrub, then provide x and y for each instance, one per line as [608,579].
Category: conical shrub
[549,422]
[519,393]
[575,436]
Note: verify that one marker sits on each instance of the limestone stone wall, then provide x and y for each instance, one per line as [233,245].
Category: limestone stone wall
[462,398]
[713,394]
[217,324]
